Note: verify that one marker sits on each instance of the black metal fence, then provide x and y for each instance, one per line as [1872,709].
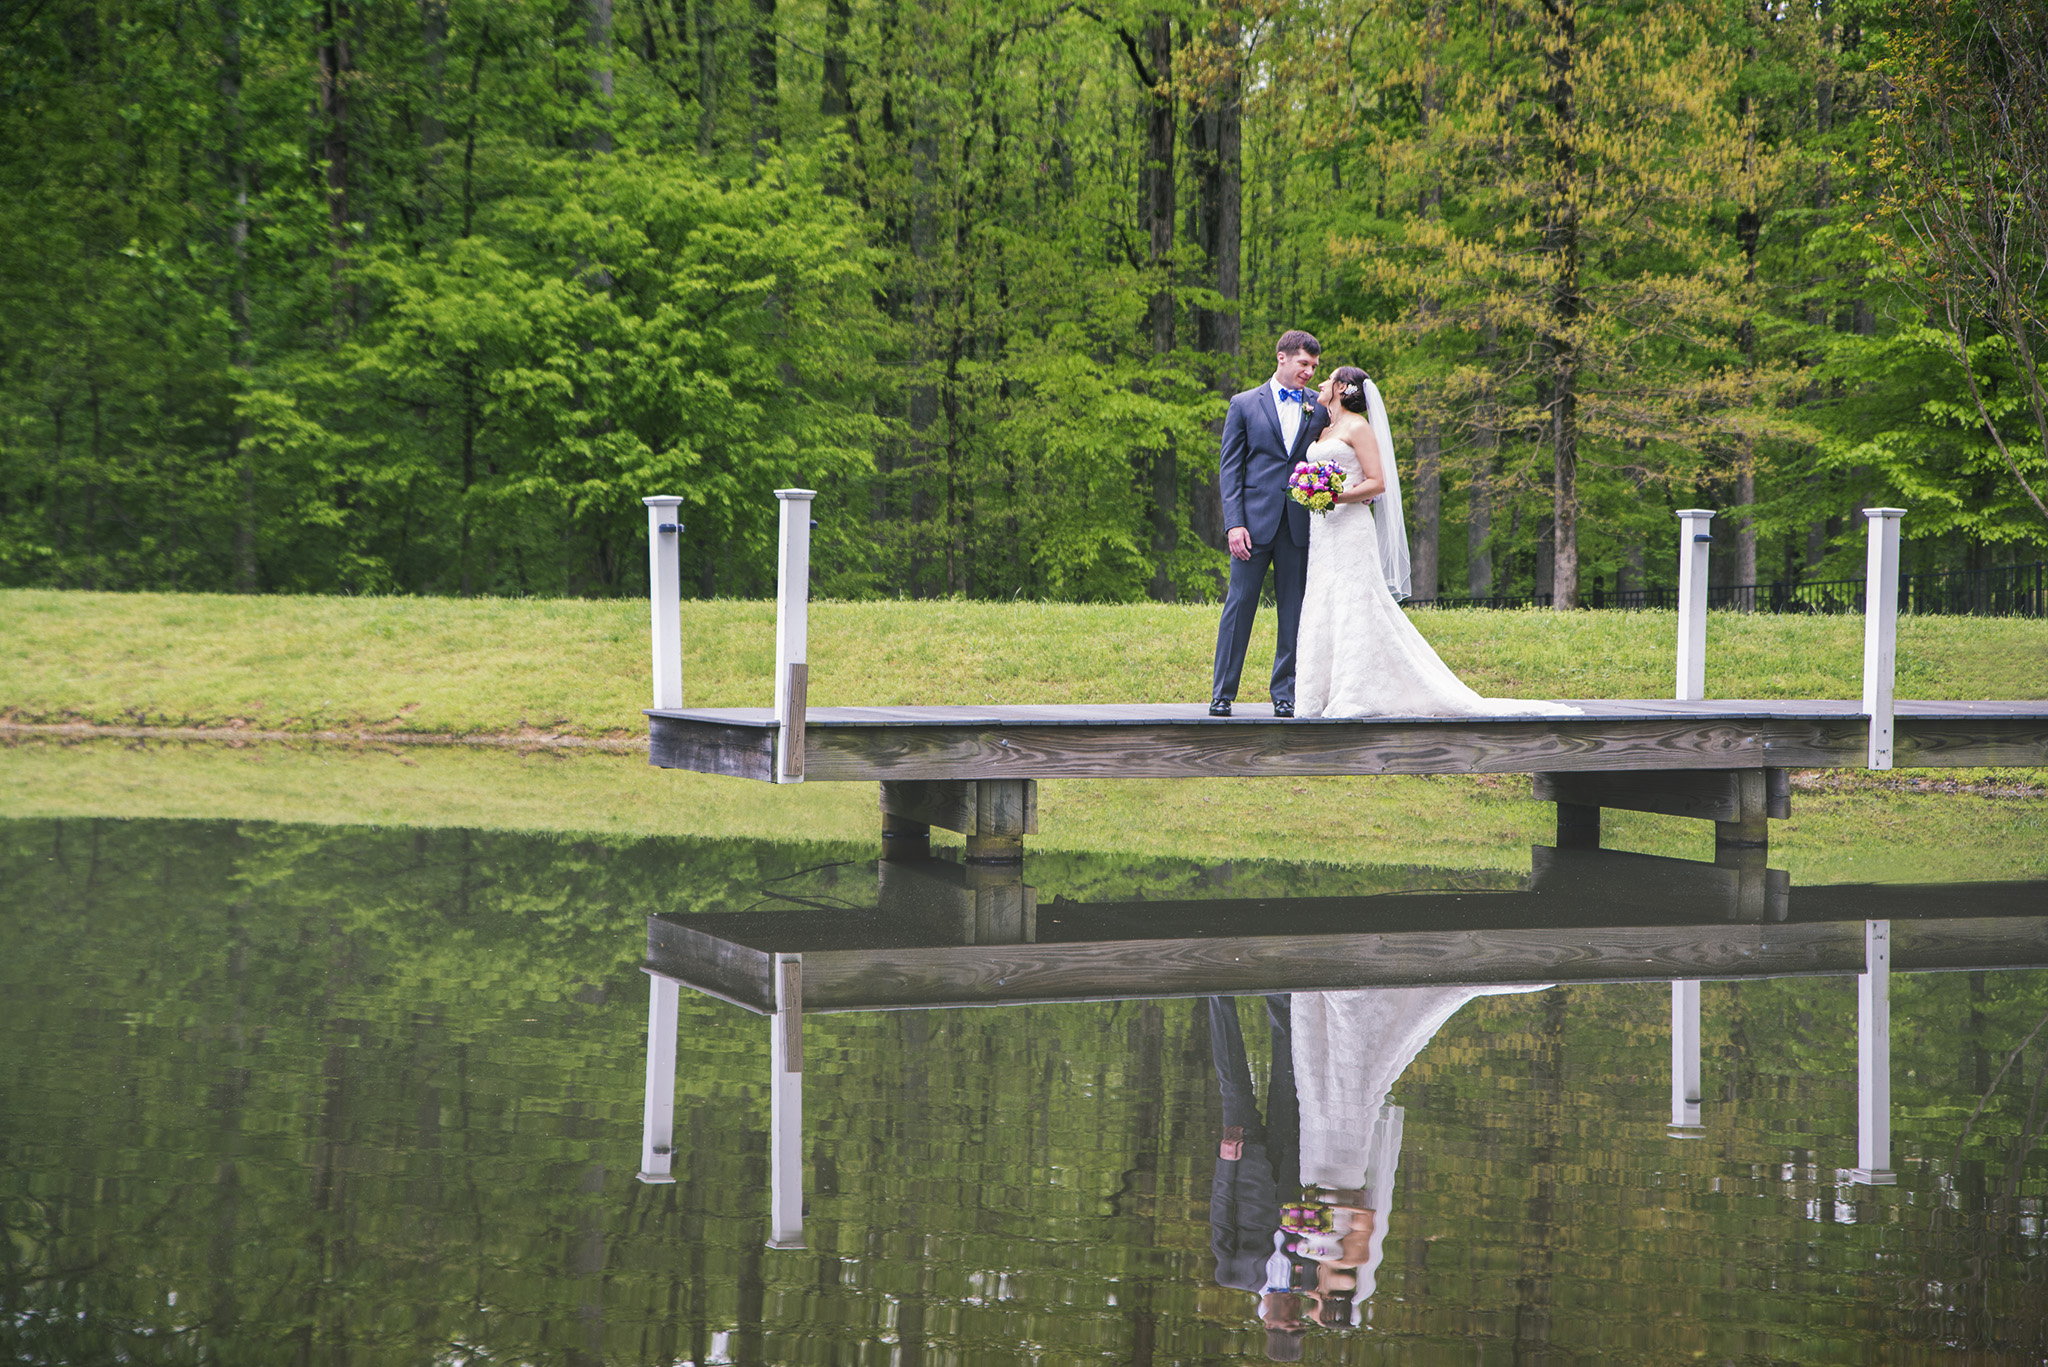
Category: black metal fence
[2002,591]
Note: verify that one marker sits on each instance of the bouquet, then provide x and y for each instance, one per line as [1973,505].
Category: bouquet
[1316,484]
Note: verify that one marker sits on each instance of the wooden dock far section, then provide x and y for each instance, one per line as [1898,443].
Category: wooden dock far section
[1180,740]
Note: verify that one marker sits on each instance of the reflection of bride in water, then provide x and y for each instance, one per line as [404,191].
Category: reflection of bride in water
[1331,1136]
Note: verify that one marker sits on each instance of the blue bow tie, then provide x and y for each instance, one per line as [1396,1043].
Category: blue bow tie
[1294,396]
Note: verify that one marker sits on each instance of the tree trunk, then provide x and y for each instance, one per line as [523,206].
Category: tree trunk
[599,38]
[704,19]
[1479,519]
[762,67]
[1156,216]
[1562,242]
[835,100]
[1428,507]
[236,175]
[334,66]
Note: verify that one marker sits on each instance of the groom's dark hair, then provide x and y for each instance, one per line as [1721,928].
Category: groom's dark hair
[1297,340]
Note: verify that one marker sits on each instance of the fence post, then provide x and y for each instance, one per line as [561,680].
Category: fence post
[792,632]
[1874,1057]
[1693,542]
[664,597]
[1685,1053]
[786,1105]
[1881,630]
[658,1117]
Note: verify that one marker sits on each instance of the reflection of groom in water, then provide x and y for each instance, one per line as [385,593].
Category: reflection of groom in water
[1264,436]
[1257,1168]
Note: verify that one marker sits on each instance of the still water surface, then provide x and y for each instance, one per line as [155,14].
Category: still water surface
[310,1094]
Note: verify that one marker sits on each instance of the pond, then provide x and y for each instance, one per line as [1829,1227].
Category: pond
[367,1095]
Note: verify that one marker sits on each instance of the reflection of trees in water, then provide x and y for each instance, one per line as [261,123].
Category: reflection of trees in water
[375,1092]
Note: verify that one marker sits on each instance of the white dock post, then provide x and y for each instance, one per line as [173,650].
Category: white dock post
[792,632]
[1694,539]
[1881,629]
[658,1119]
[786,1106]
[1874,1058]
[664,597]
[1685,1054]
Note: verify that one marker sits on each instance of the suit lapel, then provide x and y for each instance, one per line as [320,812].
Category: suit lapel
[1271,409]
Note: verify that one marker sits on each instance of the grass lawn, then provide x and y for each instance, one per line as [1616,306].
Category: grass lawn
[1456,822]
[455,668]
[465,667]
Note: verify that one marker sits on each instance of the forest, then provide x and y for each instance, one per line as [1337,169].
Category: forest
[422,296]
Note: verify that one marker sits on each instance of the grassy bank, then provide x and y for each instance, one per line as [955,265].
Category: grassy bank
[1482,822]
[465,667]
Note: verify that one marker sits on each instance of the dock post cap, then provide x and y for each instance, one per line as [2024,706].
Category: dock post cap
[662,500]
[1875,513]
[804,494]
[1695,512]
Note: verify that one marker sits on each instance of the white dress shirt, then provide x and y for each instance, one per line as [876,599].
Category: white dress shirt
[1290,414]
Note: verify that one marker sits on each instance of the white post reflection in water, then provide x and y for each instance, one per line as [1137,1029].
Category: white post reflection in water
[786,1106]
[658,1120]
[1685,1053]
[1874,1057]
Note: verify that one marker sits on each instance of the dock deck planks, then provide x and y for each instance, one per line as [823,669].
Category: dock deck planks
[1180,740]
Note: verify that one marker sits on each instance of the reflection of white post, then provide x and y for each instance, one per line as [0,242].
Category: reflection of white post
[1881,630]
[658,1120]
[786,1106]
[1874,1057]
[664,597]
[1694,540]
[1685,1053]
[792,632]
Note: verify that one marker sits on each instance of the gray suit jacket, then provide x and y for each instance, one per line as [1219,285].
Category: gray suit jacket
[1256,464]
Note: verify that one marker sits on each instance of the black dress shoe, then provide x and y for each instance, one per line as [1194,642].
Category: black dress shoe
[1219,707]
[1283,709]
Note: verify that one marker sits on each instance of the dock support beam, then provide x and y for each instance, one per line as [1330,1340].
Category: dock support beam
[1881,629]
[786,1106]
[995,814]
[792,632]
[658,1118]
[1740,802]
[665,597]
[1685,1054]
[1874,1058]
[1694,541]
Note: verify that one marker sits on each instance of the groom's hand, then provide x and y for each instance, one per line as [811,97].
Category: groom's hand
[1240,543]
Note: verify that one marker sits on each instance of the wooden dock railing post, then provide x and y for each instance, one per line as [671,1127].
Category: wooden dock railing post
[658,1118]
[792,632]
[786,1106]
[1874,1058]
[1881,629]
[1694,540]
[664,597]
[1685,1053]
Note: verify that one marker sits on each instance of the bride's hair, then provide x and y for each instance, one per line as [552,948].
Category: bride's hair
[1350,388]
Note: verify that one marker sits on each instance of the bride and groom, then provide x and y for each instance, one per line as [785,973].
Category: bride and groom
[1345,647]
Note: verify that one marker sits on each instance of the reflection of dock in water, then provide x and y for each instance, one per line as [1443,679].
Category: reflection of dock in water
[947,935]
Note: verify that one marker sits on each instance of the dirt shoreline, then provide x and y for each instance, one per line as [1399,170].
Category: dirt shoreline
[529,738]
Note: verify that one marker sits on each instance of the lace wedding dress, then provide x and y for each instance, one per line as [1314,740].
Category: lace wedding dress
[1357,654]
[1350,1048]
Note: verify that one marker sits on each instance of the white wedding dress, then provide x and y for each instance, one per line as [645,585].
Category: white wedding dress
[1350,1048]
[1356,653]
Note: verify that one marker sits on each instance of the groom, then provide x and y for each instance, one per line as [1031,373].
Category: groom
[1264,436]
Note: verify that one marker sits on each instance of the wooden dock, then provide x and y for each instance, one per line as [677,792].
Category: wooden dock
[1169,740]
[975,770]
[943,935]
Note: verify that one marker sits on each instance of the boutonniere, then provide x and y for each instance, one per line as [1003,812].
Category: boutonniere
[1308,408]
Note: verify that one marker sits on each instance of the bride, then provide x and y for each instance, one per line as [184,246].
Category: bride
[1358,655]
